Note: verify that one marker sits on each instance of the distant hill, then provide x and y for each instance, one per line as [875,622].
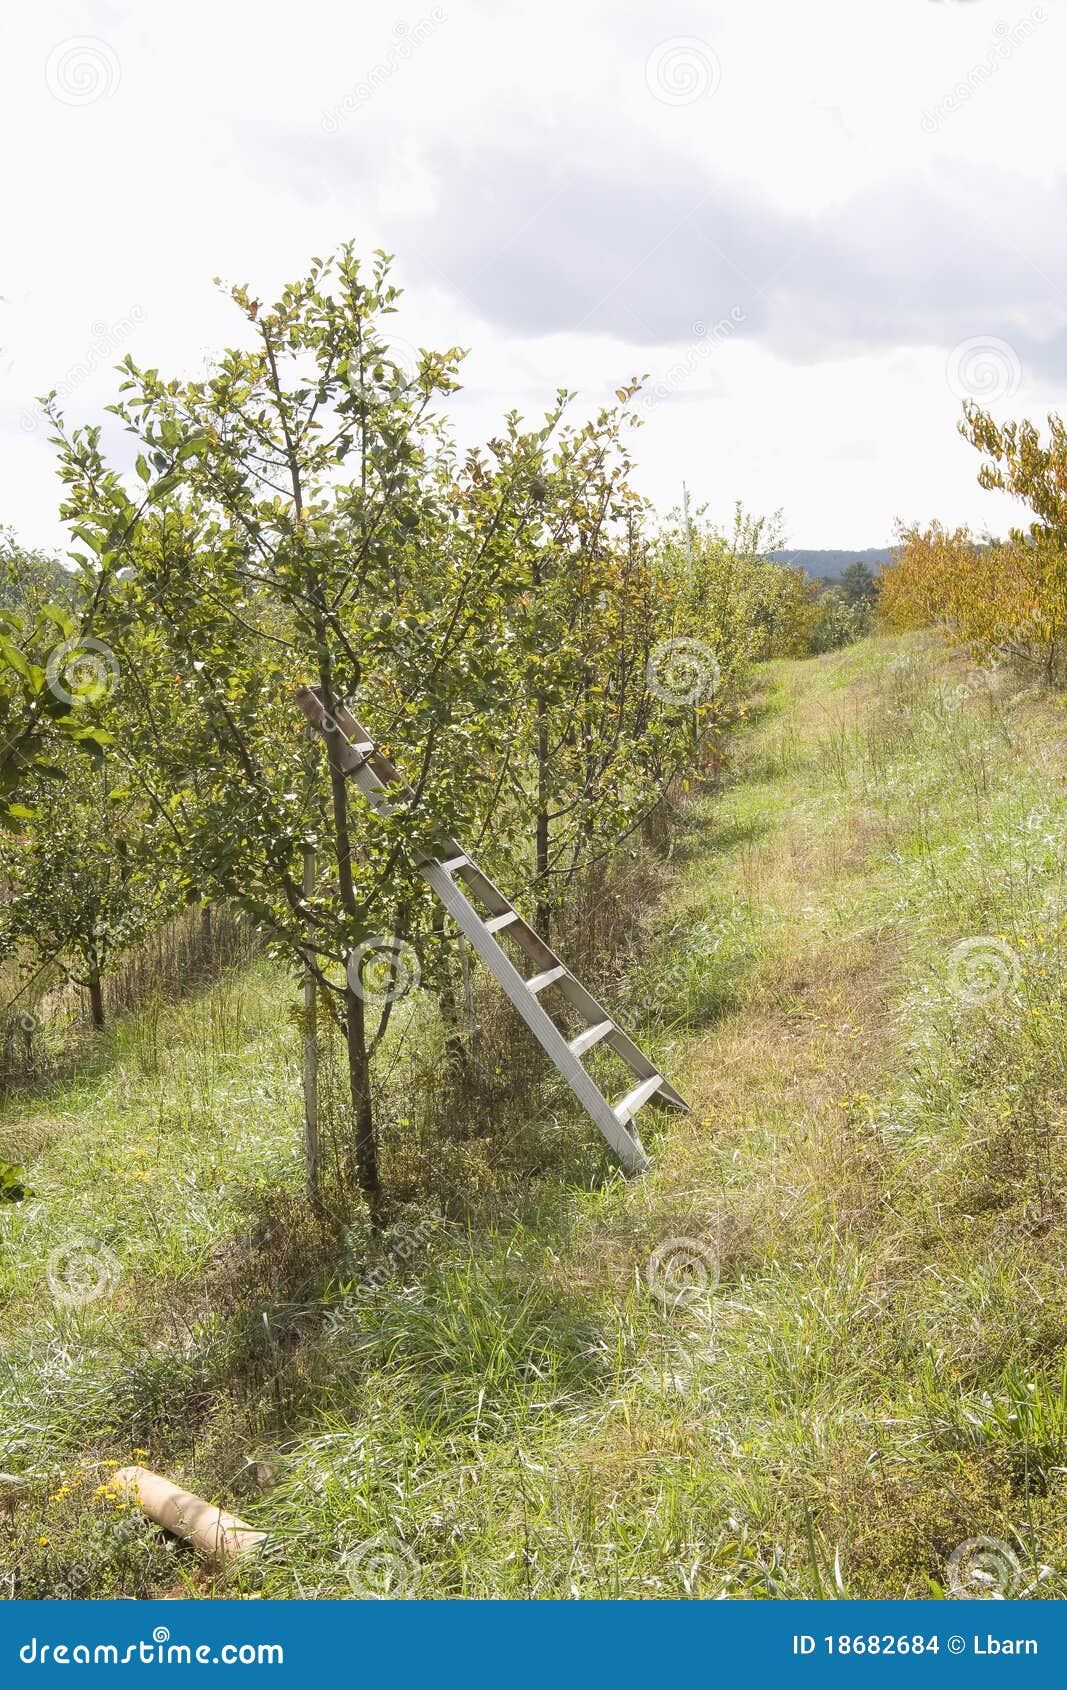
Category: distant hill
[831,564]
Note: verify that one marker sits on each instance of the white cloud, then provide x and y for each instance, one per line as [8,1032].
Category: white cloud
[870,184]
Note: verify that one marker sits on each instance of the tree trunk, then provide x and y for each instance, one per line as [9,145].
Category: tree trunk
[455,1049]
[96,1000]
[543,908]
[473,1035]
[311,1061]
[365,1142]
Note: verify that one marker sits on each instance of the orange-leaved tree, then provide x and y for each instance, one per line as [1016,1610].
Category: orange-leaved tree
[1019,462]
[1006,597]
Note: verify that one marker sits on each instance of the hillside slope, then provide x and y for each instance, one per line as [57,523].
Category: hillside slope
[817,1351]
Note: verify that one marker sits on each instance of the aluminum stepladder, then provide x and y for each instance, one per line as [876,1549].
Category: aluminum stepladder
[378,778]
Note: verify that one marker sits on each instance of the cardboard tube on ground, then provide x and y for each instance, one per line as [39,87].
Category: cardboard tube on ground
[215,1535]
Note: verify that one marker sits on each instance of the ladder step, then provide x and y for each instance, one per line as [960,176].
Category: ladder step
[496,922]
[540,981]
[590,1037]
[454,863]
[631,1103]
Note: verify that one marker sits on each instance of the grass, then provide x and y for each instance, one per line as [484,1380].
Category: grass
[819,1348]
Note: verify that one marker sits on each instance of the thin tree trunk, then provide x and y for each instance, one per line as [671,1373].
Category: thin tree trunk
[311,1061]
[365,1146]
[365,1142]
[543,909]
[455,1049]
[96,1000]
[468,999]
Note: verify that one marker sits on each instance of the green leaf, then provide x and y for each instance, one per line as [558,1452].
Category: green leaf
[15,659]
[13,1187]
[60,617]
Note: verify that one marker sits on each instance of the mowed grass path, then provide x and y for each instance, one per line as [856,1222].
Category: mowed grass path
[819,1348]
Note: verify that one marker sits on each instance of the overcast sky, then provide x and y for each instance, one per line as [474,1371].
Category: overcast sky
[816,226]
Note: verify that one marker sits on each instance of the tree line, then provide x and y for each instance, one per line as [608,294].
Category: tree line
[547,666]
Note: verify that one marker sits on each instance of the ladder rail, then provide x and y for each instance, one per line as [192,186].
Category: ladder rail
[628,1149]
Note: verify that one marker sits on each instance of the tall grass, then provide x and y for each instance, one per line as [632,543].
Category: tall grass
[45,1031]
[817,1352]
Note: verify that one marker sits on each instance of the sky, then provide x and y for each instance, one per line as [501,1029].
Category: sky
[815,228]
